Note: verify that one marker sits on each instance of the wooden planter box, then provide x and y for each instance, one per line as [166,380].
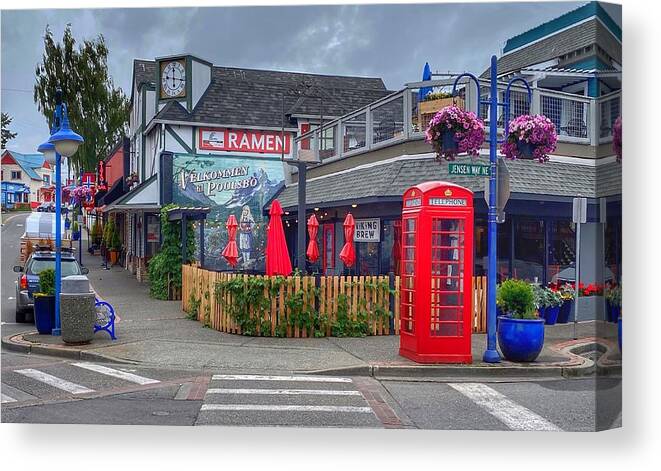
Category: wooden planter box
[427,109]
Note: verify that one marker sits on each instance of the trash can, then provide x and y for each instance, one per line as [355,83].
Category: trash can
[77,311]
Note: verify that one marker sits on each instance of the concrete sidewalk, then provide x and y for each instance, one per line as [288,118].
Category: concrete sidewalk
[153,332]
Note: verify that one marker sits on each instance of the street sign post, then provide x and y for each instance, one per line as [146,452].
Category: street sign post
[579,216]
[502,190]
[473,170]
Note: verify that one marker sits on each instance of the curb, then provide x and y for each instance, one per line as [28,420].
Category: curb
[16,343]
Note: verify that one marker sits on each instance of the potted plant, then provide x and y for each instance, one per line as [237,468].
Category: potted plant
[44,302]
[115,245]
[530,137]
[539,299]
[454,131]
[75,231]
[520,330]
[567,294]
[553,301]
[613,295]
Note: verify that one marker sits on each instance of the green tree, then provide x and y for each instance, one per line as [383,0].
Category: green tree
[7,135]
[97,109]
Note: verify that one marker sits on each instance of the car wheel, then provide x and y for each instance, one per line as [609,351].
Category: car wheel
[21,316]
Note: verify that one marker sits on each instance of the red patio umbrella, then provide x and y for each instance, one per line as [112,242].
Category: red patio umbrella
[277,255]
[231,251]
[313,248]
[348,254]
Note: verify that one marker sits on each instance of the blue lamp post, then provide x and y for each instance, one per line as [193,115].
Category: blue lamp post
[62,142]
[491,354]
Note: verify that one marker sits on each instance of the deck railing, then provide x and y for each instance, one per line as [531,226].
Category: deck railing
[400,117]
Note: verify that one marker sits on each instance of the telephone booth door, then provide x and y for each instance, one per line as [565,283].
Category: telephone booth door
[436,280]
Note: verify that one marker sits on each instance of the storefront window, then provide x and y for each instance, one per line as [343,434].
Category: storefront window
[562,247]
[482,248]
[613,246]
[391,247]
[367,258]
[528,263]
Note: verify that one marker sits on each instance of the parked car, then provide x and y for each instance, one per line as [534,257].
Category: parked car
[46,207]
[28,279]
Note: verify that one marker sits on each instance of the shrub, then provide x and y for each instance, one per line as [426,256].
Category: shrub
[47,282]
[437,96]
[516,298]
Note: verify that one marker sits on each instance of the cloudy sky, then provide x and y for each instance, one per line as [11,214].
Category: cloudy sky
[388,41]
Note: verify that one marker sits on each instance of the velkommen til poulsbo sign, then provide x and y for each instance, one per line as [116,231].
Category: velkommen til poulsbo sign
[368,230]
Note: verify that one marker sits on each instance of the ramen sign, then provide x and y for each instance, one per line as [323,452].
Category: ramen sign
[243,140]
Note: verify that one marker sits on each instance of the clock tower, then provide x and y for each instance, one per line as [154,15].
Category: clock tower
[182,78]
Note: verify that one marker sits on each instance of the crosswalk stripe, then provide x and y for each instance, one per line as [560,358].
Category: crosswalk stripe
[285,392]
[515,416]
[310,379]
[284,408]
[6,398]
[116,373]
[54,381]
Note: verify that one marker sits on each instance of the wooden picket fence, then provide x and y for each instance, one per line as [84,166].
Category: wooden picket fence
[367,293]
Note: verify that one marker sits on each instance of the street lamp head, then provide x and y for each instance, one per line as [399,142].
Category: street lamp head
[48,149]
[65,140]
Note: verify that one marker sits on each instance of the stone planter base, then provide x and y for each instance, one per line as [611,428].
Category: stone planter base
[77,317]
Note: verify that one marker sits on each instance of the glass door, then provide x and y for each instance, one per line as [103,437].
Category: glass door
[447,277]
[407,313]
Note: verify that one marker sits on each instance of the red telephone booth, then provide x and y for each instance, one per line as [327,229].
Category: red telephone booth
[436,273]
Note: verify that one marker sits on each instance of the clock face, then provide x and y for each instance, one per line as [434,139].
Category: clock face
[173,79]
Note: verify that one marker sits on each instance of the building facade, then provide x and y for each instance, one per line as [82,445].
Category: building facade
[29,170]
[211,136]
[370,157]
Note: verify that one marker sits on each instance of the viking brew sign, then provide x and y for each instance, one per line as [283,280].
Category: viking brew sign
[368,230]
[243,140]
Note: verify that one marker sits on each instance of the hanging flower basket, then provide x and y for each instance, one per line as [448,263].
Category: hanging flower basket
[454,131]
[530,137]
[617,138]
[81,194]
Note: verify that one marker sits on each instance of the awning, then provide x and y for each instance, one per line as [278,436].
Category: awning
[144,197]
[114,193]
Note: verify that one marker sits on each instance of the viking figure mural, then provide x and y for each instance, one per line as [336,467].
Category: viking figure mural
[246,226]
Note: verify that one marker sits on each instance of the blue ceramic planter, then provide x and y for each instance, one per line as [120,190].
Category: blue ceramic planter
[449,144]
[613,312]
[619,333]
[565,312]
[525,149]
[44,314]
[520,339]
[542,312]
[551,314]
[75,235]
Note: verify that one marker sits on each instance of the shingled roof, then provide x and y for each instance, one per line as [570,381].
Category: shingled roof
[389,180]
[576,29]
[250,97]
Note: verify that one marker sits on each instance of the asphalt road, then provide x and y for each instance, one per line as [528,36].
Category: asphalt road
[39,389]
[12,229]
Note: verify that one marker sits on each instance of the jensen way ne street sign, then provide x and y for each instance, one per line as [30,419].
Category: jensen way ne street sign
[474,170]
